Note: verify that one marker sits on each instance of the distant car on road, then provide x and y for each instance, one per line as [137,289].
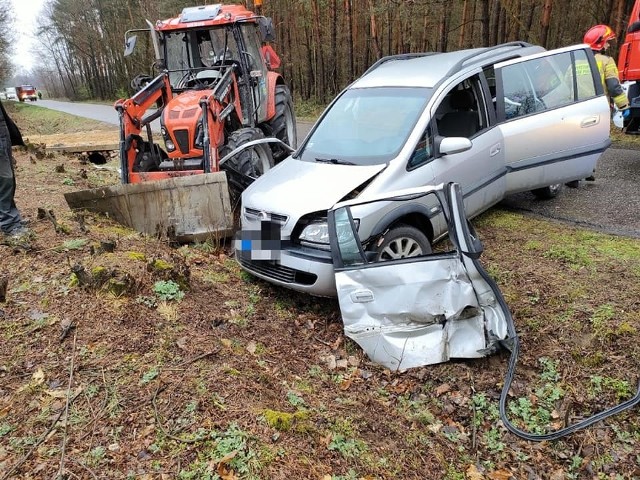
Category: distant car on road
[10,93]
[495,120]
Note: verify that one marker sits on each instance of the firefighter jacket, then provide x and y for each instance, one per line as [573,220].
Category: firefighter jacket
[610,80]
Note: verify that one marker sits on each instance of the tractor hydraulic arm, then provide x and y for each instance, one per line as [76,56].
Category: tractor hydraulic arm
[216,107]
[133,118]
[157,91]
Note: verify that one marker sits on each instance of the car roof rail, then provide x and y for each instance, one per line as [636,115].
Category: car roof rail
[401,56]
[457,66]
[475,55]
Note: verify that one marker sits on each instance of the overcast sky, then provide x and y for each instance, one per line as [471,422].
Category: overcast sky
[26,12]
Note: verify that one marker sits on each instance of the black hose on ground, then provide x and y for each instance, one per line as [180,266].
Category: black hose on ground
[512,343]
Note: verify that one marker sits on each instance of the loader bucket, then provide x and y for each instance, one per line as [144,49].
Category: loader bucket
[184,209]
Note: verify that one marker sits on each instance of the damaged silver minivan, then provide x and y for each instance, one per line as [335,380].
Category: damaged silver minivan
[495,120]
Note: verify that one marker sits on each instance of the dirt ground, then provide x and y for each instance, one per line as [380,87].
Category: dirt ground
[75,139]
[124,357]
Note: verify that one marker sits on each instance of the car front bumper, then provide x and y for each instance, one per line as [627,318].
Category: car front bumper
[303,269]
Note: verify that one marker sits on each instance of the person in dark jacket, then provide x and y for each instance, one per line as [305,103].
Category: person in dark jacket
[11,223]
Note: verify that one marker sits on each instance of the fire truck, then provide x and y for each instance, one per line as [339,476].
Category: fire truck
[27,92]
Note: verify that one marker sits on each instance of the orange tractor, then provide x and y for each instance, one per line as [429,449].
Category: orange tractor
[219,102]
[216,116]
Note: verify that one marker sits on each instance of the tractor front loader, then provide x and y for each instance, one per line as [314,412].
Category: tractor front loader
[215,117]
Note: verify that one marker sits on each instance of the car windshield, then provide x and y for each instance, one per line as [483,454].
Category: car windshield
[366,126]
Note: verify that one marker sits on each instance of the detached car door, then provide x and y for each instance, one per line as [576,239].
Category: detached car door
[421,310]
[553,115]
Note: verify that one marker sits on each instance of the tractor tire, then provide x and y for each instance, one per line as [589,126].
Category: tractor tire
[283,124]
[249,164]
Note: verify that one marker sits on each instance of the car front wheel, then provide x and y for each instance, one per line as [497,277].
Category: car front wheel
[403,241]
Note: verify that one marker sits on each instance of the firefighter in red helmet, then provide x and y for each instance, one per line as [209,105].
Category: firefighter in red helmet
[598,38]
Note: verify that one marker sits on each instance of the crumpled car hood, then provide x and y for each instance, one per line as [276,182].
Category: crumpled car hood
[305,187]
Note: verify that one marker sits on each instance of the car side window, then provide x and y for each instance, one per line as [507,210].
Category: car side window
[584,84]
[462,113]
[423,151]
[538,84]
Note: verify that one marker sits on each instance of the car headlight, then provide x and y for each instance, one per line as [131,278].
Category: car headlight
[316,234]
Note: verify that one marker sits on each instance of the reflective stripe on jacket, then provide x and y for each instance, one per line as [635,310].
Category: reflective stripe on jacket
[610,80]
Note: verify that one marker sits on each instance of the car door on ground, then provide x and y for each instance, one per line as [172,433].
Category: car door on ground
[555,96]
[420,310]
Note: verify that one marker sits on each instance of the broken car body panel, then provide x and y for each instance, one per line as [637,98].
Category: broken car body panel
[422,310]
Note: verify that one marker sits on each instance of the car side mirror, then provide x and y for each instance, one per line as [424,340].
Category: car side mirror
[130,44]
[451,145]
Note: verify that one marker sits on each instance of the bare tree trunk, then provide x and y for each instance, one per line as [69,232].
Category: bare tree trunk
[544,23]
[463,27]
[618,26]
[472,27]
[495,14]
[390,30]
[484,8]
[374,31]
[425,38]
[502,24]
[443,30]
[518,24]
[530,35]
[349,38]
[333,71]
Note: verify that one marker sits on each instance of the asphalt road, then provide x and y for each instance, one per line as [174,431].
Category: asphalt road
[102,113]
[610,204]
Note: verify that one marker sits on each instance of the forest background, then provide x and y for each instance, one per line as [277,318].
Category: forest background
[324,44]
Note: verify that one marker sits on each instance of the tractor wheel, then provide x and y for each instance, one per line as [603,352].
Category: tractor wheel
[249,164]
[283,123]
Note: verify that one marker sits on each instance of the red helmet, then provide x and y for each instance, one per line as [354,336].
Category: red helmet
[597,36]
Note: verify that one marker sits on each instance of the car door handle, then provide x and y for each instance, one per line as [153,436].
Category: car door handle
[362,296]
[495,150]
[590,121]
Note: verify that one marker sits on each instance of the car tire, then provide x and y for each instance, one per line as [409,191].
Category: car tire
[283,123]
[403,241]
[548,192]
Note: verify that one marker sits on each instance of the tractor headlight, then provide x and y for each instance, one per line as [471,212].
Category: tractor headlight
[168,143]
[199,138]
